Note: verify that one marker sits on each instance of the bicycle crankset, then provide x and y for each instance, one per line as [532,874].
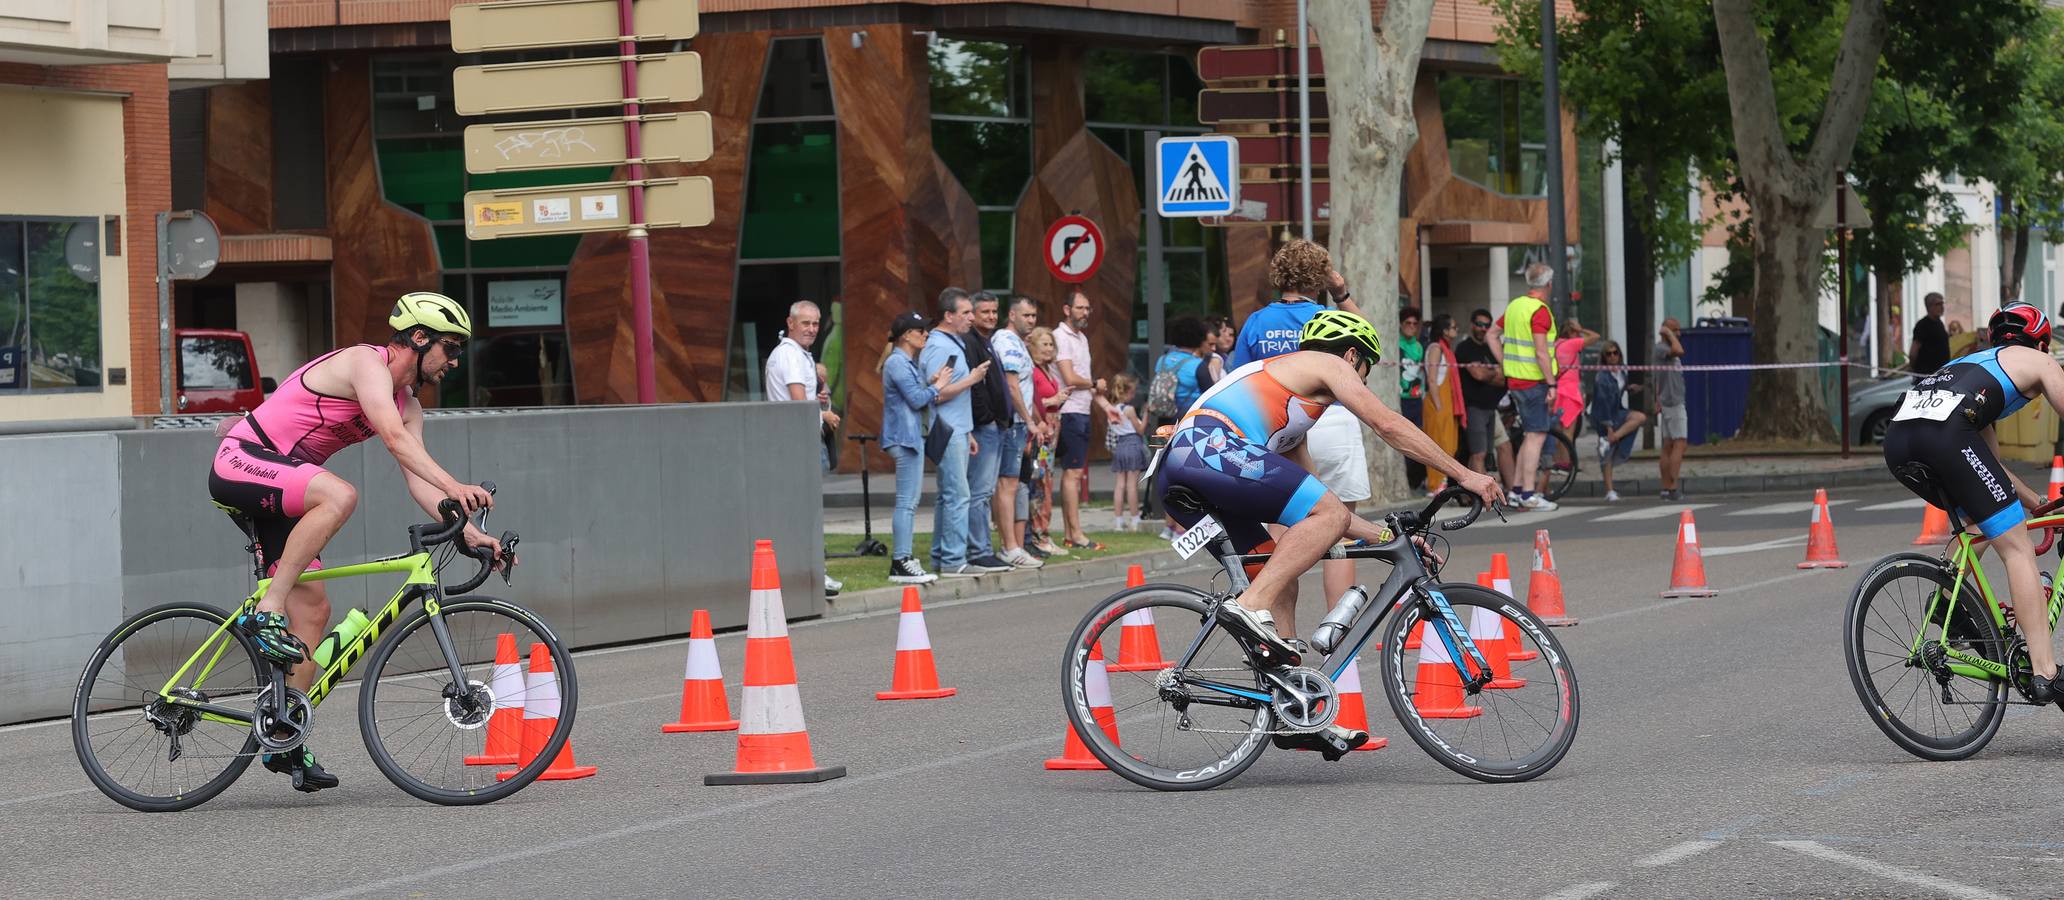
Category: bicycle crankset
[281,726]
[1304,698]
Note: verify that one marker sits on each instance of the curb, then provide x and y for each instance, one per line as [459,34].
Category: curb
[1063,573]
[887,501]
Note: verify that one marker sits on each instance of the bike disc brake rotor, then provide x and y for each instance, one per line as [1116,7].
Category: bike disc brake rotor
[471,709]
[281,727]
[1305,699]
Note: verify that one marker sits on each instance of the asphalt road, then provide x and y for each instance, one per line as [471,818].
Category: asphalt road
[1722,753]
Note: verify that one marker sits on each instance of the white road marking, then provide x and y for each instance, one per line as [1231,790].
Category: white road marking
[1666,604]
[1784,509]
[1679,853]
[1890,873]
[1736,589]
[1653,512]
[1772,544]
[1581,891]
[1528,518]
[1915,503]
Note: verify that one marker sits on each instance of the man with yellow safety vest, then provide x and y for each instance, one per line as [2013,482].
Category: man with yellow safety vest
[1524,339]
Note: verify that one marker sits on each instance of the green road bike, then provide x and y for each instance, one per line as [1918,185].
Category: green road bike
[175,703]
[1931,650]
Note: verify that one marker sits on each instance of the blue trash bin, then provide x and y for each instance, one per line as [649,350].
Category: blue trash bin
[1716,402]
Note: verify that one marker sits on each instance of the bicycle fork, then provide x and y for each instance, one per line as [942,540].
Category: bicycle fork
[1453,636]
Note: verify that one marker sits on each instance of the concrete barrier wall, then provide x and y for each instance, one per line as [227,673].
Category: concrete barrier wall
[631,518]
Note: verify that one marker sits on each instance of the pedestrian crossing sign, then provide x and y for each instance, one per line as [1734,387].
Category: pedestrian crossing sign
[1197,175]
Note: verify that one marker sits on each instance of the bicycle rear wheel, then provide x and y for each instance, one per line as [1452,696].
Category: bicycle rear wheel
[1146,721]
[1553,479]
[149,754]
[450,743]
[1519,726]
[1898,685]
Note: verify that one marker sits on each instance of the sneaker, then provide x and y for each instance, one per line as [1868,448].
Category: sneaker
[1258,625]
[1612,496]
[1332,741]
[907,571]
[1052,549]
[990,563]
[1539,503]
[1673,496]
[299,762]
[832,586]
[1036,551]
[1167,534]
[1514,499]
[1017,557]
[1604,450]
[275,642]
[961,571]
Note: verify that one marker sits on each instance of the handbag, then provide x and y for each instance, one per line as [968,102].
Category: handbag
[936,439]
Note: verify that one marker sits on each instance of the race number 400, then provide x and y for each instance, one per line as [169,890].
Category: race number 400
[1934,406]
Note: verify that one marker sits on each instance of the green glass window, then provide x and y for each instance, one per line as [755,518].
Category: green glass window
[791,198]
[49,314]
[992,159]
[979,78]
[999,227]
[1496,132]
[798,83]
[1126,87]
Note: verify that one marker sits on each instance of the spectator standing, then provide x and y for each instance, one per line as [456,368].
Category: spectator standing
[1079,387]
[1014,361]
[1673,421]
[1443,409]
[1411,377]
[791,376]
[1483,387]
[1128,449]
[1616,423]
[1525,338]
[1569,382]
[993,417]
[1930,348]
[906,395]
[1178,371]
[943,349]
[1046,399]
[1219,338]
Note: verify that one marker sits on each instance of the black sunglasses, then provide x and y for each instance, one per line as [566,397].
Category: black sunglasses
[452,349]
[1479,324]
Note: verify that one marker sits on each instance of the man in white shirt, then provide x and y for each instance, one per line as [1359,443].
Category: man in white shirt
[1078,382]
[792,374]
[1016,362]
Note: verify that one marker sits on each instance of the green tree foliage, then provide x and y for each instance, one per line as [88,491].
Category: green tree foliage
[2023,156]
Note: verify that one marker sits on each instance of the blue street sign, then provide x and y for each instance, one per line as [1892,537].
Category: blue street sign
[1197,175]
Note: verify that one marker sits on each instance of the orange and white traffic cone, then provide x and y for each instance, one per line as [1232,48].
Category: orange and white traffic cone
[1934,528]
[1139,646]
[1438,693]
[1820,536]
[773,743]
[541,718]
[1487,629]
[1354,713]
[1688,572]
[1501,575]
[703,707]
[1514,650]
[505,727]
[1075,755]
[2056,477]
[1544,587]
[916,678]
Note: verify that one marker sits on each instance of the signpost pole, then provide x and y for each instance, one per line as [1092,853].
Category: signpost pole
[164,322]
[1551,100]
[1304,205]
[1157,286]
[1842,294]
[641,256]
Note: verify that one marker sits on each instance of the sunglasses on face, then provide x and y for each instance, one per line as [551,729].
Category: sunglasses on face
[452,349]
[1479,324]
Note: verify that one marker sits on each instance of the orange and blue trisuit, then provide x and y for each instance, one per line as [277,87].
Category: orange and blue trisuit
[1228,448]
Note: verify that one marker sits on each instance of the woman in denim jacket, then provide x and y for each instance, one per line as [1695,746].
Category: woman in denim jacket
[905,396]
[1616,424]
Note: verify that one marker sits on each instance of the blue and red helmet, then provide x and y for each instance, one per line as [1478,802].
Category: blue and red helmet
[2019,324]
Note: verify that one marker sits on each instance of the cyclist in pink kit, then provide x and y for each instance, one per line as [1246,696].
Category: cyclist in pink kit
[269,470]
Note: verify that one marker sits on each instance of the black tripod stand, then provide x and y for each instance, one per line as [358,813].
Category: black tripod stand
[868,546]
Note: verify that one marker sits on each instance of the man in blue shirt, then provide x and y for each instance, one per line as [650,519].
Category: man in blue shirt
[943,347]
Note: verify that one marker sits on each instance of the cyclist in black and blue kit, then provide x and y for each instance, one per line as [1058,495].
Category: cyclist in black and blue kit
[1946,423]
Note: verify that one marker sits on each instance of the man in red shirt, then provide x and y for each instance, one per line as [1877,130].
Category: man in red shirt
[1527,352]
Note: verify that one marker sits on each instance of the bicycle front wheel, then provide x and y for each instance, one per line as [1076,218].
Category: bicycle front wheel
[137,739]
[1558,466]
[1155,723]
[461,742]
[1513,729]
[1896,662]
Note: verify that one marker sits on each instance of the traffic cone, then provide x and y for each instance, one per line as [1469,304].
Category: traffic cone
[1688,572]
[1487,629]
[1438,693]
[1353,712]
[505,727]
[1075,755]
[773,743]
[1934,528]
[2056,477]
[1501,574]
[1413,640]
[915,678]
[703,707]
[1139,646]
[541,718]
[1544,587]
[1820,536]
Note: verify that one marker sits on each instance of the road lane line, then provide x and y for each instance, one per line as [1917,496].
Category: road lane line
[1666,604]
[1837,784]
[1773,544]
[1653,512]
[1581,891]
[1915,503]
[1679,853]
[1889,872]
[1791,508]
[71,793]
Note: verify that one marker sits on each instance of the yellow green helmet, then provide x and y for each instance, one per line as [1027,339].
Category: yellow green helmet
[431,310]
[1332,327]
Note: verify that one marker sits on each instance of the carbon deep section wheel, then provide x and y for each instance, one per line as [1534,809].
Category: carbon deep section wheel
[1902,688]
[134,739]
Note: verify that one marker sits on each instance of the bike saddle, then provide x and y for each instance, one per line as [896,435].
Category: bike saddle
[1920,479]
[1183,499]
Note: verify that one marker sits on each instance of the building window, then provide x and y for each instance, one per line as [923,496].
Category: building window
[789,249]
[49,305]
[1496,132]
[982,130]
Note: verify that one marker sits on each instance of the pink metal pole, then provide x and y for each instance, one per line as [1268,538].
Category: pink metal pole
[641,255]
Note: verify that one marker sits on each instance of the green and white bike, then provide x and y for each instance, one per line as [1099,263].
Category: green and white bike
[175,704]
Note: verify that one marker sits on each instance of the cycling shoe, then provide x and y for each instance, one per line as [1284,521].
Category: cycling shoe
[2047,690]
[1259,625]
[1332,741]
[275,642]
[299,762]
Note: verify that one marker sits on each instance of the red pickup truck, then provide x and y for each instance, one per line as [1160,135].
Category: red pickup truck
[217,372]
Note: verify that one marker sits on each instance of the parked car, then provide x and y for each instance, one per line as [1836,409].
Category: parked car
[217,372]
[1871,407]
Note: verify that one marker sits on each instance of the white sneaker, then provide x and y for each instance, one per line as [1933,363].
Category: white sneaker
[1612,496]
[1538,503]
[907,571]
[1023,560]
[1604,448]
[833,585]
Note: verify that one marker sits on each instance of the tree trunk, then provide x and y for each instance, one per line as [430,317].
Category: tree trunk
[1789,403]
[1890,322]
[2013,262]
[1369,78]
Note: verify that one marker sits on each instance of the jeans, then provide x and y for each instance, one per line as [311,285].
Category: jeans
[909,484]
[982,469]
[1533,409]
[950,514]
[1414,408]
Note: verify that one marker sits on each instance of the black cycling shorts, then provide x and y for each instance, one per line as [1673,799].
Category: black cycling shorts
[1965,469]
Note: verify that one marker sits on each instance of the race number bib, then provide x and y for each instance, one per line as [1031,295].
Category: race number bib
[1204,532]
[1935,406]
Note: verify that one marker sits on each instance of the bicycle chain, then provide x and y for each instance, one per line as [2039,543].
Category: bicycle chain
[1183,721]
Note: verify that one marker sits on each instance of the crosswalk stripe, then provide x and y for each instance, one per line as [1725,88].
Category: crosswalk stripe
[1654,512]
[1914,503]
[1784,509]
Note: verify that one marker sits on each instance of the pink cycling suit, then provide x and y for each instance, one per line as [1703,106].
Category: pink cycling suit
[262,469]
